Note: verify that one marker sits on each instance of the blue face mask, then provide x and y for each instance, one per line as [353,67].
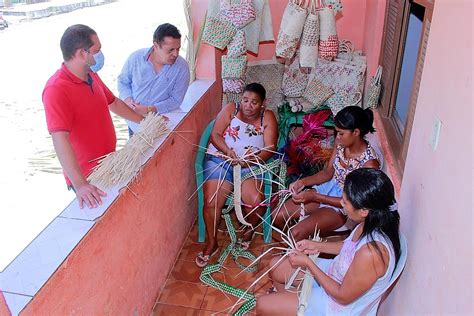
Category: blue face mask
[99,61]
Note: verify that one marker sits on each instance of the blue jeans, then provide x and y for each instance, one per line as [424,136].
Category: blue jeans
[216,169]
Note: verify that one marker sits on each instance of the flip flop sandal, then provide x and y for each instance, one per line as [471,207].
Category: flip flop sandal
[272,290]
[203,260]
[245,245]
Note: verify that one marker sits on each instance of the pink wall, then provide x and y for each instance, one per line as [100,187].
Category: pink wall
[436,194]
[4,310]
[208,59]
[122,263]
[373,33]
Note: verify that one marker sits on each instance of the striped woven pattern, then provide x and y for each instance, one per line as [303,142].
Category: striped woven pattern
[316,93]
[233,67]
[238,46]
[309,42]
[329,48]
[232,85]
[218,33]
[291,28]
[239,14]
[294,80]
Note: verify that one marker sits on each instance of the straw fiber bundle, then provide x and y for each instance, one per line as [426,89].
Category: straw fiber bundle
[123,166]
[306,286]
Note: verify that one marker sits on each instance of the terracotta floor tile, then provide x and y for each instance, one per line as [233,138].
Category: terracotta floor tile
[173,310]
[223,236]
[232,277]
[211,313]
[190,251]
[193,234]
[182,294]
[186,271]
[218,301]
[191,241]
[263,286]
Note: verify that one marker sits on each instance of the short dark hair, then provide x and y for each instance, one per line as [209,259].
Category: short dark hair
[165,30]
[353,117]
[76,37]
[257,88]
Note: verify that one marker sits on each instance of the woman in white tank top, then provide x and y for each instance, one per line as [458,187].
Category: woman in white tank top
[245,133]
[353,282]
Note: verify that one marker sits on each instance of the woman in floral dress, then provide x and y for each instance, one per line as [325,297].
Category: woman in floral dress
[244,133]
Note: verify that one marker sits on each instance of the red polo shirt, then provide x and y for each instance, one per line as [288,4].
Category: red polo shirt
[81,108]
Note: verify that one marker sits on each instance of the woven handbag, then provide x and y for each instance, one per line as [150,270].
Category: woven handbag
[291,27]
[234,67]
[294,80]
[254,30]
[335,5]
[317,93]
[341,77]
[339,100]
[373,93]
[232,85]
[239,14]
[310,38]
[348,54]
[237,47]
[224,5]
[218,33]
[328,40]
[346,46]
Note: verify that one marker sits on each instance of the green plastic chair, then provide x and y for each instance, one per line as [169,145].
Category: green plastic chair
[267,230]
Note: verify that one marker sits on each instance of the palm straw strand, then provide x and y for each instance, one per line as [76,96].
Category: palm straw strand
[123,166]
[306,287]
[238,195]
[233,248]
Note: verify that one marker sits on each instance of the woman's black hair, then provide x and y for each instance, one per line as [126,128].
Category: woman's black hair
[257,88]
[353,117]
[371,189]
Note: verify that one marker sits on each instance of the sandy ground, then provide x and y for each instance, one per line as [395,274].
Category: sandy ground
[32,189]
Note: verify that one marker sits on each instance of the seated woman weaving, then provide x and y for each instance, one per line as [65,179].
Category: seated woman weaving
[244,134]
[322,201]
[352,283]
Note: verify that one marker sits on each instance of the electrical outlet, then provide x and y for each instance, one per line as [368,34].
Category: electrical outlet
[435,132]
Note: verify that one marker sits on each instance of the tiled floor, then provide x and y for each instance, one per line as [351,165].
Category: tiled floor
[184,294]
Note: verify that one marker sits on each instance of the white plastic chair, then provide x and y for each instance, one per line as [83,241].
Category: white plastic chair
[401,262]
[398,269]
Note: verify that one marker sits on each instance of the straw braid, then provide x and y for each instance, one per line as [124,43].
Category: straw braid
[235,251]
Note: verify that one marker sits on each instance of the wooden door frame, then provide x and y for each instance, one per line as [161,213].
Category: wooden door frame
[398,141]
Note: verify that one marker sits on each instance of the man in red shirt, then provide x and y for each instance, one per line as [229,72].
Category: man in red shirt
[77,105]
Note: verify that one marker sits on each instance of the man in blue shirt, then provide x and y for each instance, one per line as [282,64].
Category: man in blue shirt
[155,79]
